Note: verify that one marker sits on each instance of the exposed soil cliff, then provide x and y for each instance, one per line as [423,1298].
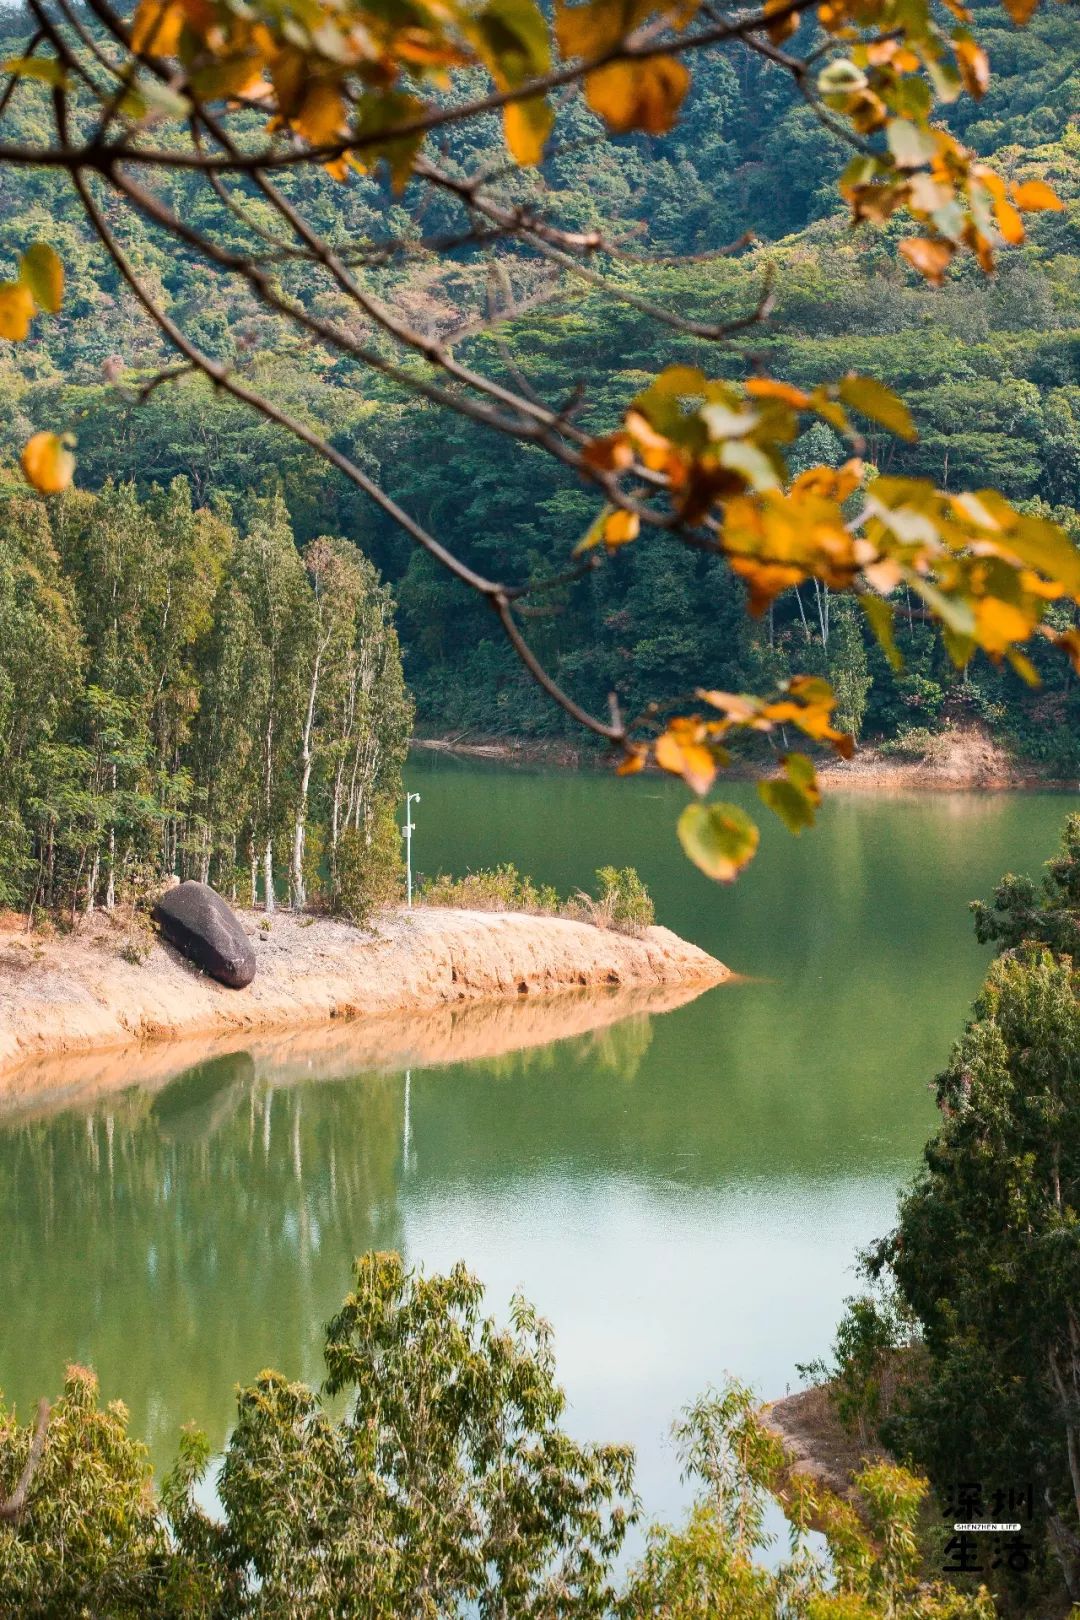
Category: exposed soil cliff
[90,990]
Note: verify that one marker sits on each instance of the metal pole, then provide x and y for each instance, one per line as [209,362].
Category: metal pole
[410,800]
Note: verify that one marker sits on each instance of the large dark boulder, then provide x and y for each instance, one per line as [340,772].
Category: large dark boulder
[202,927]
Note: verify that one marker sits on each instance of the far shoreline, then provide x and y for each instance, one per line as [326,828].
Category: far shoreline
[966,760]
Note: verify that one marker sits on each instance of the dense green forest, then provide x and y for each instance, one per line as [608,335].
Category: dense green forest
[990,368]
[178,698]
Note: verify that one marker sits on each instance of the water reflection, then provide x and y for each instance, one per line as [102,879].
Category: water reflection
[182,1234]
[678,1180]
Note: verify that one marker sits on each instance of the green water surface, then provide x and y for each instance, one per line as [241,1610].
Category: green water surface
[682,1195]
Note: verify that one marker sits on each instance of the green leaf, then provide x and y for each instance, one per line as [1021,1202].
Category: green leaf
[42,272]
[880,616]
[794,800]
[718,838]
[873,399]
[45,68]
[956,614]
[910,146]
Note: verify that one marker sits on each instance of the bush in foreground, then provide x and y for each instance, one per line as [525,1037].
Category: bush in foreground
[446,1486]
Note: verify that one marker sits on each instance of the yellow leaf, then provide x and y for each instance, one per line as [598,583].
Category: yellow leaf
[321,118]
[781,27]
[930,258]
[592,29]
[771,388]
[686,758]
[1023,666]
[873,399]
[527,125]
[620,527]
[1010,224]
[1048,548]
[47,462]
[16,310]
[974,65]
[998,623]
[612,453]
[43,273]
[638,95]
[1035,196]
[718,838]
[1021,11]
[157,26]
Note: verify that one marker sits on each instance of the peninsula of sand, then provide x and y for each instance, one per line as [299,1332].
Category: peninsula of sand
[97,989]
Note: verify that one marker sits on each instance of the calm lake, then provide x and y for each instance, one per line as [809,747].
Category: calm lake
[681,1194]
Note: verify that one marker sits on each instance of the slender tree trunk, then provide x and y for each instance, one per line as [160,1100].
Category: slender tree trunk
[802,616]
[110,884]
[254,875]
[92,882]
[268,875]
[821,596]
[296,877]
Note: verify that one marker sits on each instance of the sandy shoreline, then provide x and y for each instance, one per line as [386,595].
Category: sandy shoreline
[964,759]
[82,993]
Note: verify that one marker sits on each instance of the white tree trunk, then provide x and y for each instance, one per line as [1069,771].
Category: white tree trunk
[268,875]
[296,879]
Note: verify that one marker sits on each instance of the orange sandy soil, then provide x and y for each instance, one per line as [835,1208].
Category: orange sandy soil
[963,758]
[817,1441]
[81,992]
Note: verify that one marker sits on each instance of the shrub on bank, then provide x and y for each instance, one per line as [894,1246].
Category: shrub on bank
[622,901]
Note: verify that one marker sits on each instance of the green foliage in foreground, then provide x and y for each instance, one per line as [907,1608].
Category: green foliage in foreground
[621,901]
[1044,914]
[987,1254]
[971,1369]
[447,1487]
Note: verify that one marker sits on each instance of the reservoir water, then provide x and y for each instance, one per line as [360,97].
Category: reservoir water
[681,1194]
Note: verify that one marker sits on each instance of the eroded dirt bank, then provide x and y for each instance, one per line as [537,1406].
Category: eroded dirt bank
[462,1032]
[79,993]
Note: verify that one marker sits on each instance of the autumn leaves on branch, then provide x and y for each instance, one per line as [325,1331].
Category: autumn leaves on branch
[239,94]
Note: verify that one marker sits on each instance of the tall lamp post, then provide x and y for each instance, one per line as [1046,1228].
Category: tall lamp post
[408,830]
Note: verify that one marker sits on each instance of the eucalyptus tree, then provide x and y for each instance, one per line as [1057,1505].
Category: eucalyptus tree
[272,689]
[355,712]
[41,672]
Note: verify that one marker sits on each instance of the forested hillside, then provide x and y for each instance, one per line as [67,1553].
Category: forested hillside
[990,368]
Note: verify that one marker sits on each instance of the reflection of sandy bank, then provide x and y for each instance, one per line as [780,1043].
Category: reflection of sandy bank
[458,1033]
[80,993]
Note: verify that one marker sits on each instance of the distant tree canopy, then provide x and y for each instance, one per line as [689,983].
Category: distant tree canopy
[177,697]
[215,154]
